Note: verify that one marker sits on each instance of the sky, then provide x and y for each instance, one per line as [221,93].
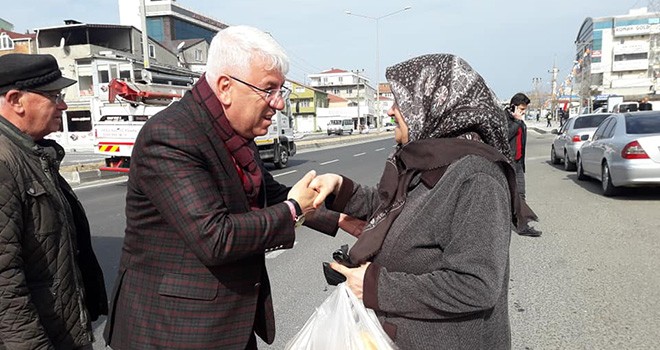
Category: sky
[509,42]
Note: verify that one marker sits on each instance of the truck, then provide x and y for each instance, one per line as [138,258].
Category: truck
[118,122]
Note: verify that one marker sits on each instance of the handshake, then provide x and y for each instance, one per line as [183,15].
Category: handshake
[312,190]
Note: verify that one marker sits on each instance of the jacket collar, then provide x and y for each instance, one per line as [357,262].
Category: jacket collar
[47,147]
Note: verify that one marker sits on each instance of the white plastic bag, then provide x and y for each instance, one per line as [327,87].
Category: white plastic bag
[342,322]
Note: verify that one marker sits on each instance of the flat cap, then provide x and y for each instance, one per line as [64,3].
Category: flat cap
[31,72]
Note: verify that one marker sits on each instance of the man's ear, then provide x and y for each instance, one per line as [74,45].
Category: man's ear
[224,87]
[14,98]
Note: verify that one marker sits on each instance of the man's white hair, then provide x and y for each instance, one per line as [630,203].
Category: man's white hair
[236,47]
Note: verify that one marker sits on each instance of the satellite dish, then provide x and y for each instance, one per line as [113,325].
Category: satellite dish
[180,46]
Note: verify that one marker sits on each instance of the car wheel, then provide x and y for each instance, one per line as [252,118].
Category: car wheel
[350,132]
[568,165]
[606,181]
[580,170]
[283,158]
[553,156]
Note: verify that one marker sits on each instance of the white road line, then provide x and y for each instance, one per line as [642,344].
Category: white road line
[359,154]
[330,161]
[102,183]
[286,173]
[379,149]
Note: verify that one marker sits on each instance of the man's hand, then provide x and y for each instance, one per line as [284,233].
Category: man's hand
[351,225]
[325,184]
[354,277]
[303,193]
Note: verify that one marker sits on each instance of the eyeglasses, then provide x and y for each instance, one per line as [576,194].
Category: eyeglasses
[55,98]
[270,94]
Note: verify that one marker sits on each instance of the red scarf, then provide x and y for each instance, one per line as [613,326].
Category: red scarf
[240,148]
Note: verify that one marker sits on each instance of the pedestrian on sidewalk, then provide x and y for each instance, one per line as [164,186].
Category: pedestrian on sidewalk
[548,118]
[518,143]
[202,210]
[51,284]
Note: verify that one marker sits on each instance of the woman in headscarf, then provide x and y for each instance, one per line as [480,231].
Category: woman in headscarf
[434,253]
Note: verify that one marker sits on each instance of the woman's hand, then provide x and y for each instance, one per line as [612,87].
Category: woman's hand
[325,184]
[354,277]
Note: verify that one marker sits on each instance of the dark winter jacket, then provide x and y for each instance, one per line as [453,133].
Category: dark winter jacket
[514,125]
[51,285]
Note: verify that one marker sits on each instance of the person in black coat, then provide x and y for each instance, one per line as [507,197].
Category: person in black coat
[518,142]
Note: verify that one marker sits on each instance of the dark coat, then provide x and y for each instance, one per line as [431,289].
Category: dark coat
[48,268]
[514,125]
[440,280]
[192,273]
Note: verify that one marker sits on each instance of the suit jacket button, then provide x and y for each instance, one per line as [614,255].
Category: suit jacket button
[257,285]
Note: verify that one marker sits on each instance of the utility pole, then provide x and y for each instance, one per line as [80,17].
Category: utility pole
[554,72]
[357,73]
[145,37]
[654,48]
[536,81]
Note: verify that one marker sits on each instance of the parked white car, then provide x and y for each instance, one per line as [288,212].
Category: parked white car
[624,151]
[571,136]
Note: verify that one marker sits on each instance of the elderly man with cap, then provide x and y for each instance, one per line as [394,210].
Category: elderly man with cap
[51,284]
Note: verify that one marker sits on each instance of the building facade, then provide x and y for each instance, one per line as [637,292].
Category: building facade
[180,29]
[305,103]
[354,88]
[617,56]
[93,55]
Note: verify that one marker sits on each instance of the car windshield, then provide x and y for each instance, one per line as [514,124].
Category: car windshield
[589,121]
[643,124]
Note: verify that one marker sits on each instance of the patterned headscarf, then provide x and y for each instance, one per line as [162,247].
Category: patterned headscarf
[441,96]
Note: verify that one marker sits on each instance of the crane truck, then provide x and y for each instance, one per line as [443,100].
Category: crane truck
[118,122]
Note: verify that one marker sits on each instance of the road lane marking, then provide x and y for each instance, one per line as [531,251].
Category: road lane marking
[286,173]
[379,149]
[359,154]
[330,161]
[99,183]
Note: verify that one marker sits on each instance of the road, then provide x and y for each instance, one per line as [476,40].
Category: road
[590,282]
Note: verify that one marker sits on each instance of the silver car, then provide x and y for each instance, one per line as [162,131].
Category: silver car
[623,152]
[571,136]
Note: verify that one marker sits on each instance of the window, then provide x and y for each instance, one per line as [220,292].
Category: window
[300,89]
[591,121]
[198,55]
[601,129]
[341,79]
[5,42]
[609,131]
[631,56]
[79,120]
[643,124]
[152,51]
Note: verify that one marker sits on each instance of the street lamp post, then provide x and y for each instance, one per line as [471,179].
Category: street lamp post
[376,80]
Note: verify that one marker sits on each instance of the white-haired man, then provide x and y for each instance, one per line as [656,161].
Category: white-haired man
[201,209]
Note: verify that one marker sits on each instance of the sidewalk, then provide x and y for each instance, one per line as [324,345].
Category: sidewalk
[541,127]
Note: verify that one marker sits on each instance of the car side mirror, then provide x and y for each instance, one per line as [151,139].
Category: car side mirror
[584,138]
[554,131]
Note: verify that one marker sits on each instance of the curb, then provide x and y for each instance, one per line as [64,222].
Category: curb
[539,130]
[312,144]
[76,178]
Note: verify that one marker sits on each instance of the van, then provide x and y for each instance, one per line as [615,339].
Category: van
[625,107]
[340,126]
